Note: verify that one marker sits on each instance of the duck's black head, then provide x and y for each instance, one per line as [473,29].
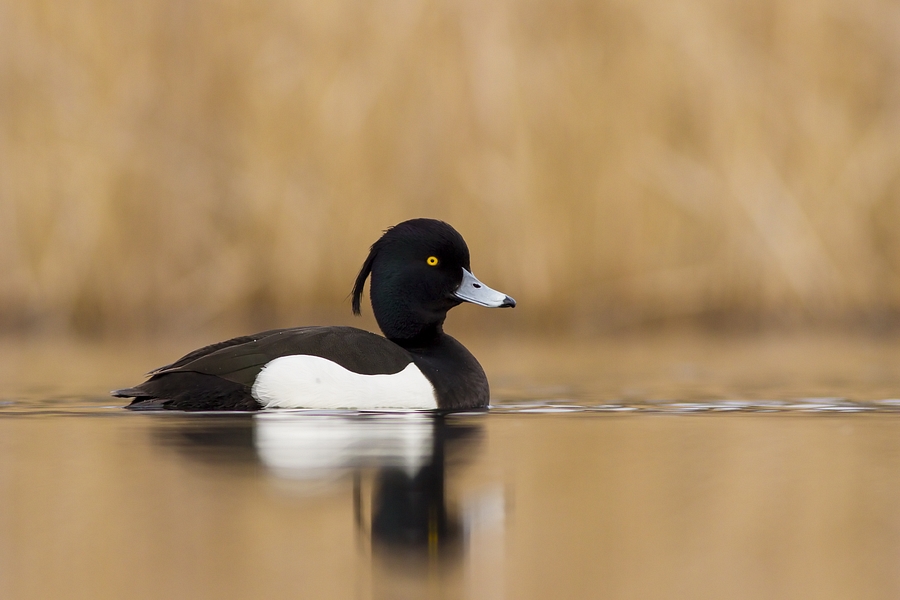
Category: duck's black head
[420,270]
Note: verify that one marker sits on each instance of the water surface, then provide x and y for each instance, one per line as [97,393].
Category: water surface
[655,468]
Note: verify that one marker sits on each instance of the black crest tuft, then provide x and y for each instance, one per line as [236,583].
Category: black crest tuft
[361,278]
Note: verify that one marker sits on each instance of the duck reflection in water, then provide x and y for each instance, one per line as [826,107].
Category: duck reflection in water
[398,464]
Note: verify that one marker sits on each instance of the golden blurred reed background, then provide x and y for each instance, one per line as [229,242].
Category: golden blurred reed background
[169,165]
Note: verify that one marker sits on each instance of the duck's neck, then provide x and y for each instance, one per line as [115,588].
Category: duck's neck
[421,337]
[408,322]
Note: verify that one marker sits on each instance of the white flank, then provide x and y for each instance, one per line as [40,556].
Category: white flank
[302,381]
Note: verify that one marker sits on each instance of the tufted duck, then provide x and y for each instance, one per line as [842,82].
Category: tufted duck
[420,270]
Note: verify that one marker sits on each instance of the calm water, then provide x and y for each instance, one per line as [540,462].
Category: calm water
[669,467]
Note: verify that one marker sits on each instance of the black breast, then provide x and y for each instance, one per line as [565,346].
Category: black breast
[457,377]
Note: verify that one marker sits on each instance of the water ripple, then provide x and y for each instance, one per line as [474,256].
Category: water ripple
[793,405]
[96,405]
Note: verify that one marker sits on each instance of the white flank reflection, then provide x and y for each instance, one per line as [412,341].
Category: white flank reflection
[304,446]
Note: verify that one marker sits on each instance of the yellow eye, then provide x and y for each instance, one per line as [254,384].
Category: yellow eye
[432,261]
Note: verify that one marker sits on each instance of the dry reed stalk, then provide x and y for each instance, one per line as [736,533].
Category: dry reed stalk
[181,165]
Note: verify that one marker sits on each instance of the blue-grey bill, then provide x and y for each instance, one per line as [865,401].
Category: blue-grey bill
[472,290]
